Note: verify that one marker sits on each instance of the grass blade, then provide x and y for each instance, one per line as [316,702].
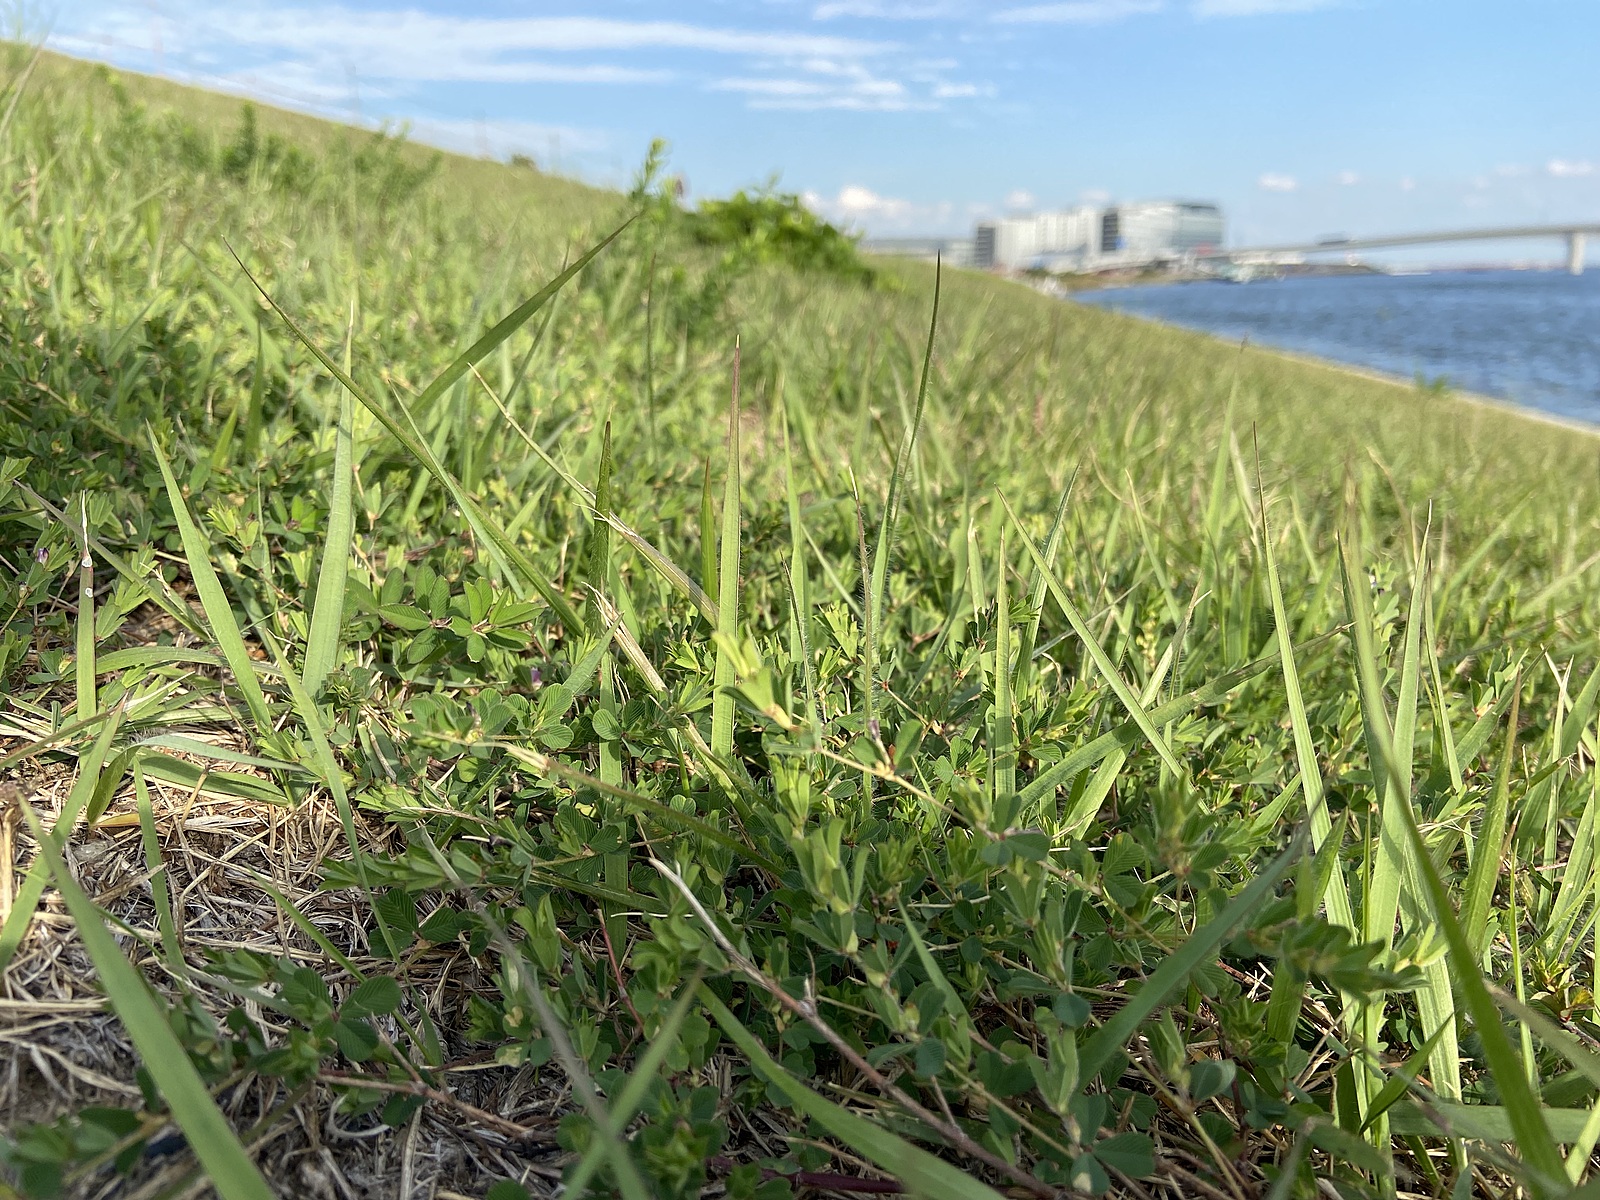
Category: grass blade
[15,929]
[1084,807]
[226,1162]
[510,323]
[85,633]
[496,540]
[634,1091]
[799,582]
[1201,947]
[1003,736]
[219,613]
[160,894]
[327,614]
[920,1171]
[1337,897]
[1530,1131]
[1097,655]
[1127,735]
[727,586]
[884,548]
[1028,641]
[1483,875]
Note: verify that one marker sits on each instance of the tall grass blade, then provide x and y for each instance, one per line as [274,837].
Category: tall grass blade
[1201,948]
[213,600]
[1435,1005]
[17,921]
[510,323]
[634,1092]
[160,893]
[728,585]
[494,537]
[1082,813]
[922,1173]
[207,1131]
[1097,655]
[327,767]
[1003,750]
[799,580]
[327,614]
[1531,1133]
[85,668]
[887,528]
[1028,640]
[1483,875]
[1337,898]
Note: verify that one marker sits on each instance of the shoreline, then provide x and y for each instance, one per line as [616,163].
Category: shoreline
[1371,374]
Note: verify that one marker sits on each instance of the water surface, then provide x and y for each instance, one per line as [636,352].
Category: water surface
[1532,337]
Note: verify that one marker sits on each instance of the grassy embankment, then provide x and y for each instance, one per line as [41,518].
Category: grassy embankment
[493,768]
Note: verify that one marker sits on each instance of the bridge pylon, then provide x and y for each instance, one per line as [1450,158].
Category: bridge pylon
[1575,241]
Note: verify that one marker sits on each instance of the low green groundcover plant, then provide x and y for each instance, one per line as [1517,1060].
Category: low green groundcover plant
[829,737]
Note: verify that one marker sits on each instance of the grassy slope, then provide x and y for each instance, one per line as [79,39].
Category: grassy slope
[114,247]
[561,203]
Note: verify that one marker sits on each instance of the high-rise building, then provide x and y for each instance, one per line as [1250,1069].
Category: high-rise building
[983,239]
[1160,230]
[1084,238]
[1015,243]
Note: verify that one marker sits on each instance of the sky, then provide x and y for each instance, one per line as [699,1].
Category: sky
[1302,118]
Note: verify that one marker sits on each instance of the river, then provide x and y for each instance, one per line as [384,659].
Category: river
[1531,337]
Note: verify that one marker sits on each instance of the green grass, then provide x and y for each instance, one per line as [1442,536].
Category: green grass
[1069,753]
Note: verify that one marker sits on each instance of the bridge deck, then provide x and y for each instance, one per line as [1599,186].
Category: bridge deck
[1431,237]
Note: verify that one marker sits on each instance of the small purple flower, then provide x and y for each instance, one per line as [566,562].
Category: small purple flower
[41,555]
[875,729]
[534,677]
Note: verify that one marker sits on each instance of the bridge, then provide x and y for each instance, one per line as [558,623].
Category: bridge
[1575,236]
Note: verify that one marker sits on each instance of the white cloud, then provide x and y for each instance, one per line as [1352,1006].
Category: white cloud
[1256,8]
[1095,196]
[832,83]
[1566,168]
[430,35]
[412,46]
[1273,182]
[327,57]
[1512,170]
[1348,178]
[501,139]
[771,87]
[1080,12]
[860,208]
[1020,198]
[830,86]
[1408,184]
[857,201]
[886,12]
[863,210]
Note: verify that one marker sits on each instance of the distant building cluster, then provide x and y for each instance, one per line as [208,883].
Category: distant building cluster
[1148,233]
[1086,238]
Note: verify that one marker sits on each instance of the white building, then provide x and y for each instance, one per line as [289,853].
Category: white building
[1015,243]
[1086,239]
[1159,230]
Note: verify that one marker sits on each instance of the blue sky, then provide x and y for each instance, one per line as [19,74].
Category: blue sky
[1302,117]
